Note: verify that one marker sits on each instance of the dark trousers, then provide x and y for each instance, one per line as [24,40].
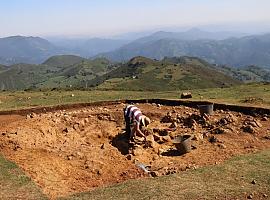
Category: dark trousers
[128,123]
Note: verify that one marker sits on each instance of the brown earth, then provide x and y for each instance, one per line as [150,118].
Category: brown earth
[75,150]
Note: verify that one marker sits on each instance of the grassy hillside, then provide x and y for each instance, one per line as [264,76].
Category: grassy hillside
[78,75]
[2,67]
[57,72]
[63,60]
[23,76]
[139,73]
[169,74]
[247,74]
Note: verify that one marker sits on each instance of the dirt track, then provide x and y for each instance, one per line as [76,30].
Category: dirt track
[79,149]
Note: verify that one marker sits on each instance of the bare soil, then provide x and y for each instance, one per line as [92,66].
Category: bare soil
[75,150]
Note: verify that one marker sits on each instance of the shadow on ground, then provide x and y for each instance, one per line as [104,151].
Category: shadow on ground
[121,142]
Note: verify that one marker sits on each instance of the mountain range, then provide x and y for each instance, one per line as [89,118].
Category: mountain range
[239,52]
[215,47]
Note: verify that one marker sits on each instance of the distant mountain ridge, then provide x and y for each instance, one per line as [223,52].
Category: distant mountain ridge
[192,34]
[249,50]
[88,47]
[19,49]
[210,46]
[36,50]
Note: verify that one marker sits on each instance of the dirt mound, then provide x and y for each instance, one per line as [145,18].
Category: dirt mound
[72,151]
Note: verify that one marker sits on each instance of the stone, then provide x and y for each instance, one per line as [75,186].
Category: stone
[156,137]
[79,155]
[166,119]
[66,130]
[250,196]
[162,132]
[249,129]
[86,120]
[173,125]
[76,126]
[169,114]
[186,95]
[194,127]
[129,157]
[264,119]
[267,137]
[233,118]
[219,131]
[213,139]
[155,157]
[82,123]
[198,137]
[265,195]
[258,124]
[253,124]
[154,174]
[223,121]
[253,182]
[69,157]
[137,151]
[222,146]
[99,172]
[206,117]
[102,146]
[160,151]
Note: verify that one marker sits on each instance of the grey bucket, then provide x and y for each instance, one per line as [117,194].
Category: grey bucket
[206,109]
[183,144]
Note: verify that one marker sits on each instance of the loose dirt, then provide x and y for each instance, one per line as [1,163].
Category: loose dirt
[76,150]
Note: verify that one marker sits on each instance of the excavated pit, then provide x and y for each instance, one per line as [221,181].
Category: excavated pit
[75,150]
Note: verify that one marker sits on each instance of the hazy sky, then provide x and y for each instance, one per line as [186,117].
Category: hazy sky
[110,17]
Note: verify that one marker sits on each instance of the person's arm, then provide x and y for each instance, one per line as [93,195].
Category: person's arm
[138,130]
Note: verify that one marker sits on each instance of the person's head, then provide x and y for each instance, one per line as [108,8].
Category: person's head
[145,121]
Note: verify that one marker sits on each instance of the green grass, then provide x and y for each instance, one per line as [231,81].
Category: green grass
[238,94]
[233,95]
[14,184]
[162,76]
[227,181]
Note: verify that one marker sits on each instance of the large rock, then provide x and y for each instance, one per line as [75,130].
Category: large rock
[186,95]
[249,129]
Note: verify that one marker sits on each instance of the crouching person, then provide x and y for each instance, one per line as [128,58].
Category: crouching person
[135,120]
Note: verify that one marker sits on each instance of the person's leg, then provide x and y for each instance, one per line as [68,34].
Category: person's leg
[127,121]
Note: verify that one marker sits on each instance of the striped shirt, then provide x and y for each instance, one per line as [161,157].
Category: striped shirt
[134,113]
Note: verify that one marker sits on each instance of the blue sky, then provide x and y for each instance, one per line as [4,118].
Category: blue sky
[112,17]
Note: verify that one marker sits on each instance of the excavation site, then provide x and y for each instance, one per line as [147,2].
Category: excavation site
[75,149]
